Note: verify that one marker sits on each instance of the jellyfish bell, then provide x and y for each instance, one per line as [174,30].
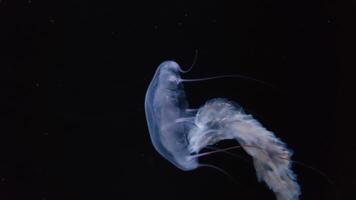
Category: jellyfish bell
[168,116]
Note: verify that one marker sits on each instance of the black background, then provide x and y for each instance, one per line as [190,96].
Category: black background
[74,75]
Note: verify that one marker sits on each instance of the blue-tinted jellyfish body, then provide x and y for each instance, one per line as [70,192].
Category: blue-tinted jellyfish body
[179,133]
[168,116]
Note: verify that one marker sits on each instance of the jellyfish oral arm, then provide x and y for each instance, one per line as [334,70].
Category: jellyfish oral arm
[270,155]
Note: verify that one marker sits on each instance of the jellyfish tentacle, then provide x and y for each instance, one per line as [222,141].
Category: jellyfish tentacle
[221,171]
[193,63]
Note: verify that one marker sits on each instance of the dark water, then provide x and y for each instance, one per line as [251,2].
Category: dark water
[74,76]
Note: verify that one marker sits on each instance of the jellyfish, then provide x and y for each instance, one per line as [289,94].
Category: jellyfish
[179,133]
[169,118]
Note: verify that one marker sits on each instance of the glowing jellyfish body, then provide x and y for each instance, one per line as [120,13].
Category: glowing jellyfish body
[179,135]
[168,116]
